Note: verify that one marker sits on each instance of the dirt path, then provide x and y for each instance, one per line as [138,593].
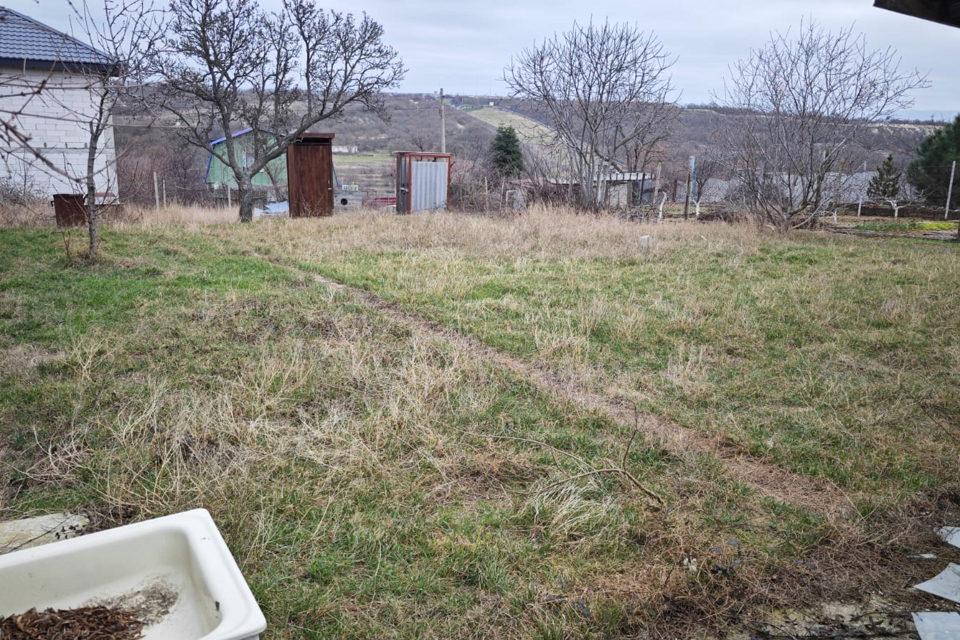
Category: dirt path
[768,479]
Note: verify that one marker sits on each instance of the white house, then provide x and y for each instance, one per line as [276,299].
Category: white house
[48,87]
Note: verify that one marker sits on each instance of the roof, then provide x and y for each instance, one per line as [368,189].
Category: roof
[27,42]
[214,143]
[943,11]
[234,135]
[307,137]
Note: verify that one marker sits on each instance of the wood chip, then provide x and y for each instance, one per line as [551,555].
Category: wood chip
[84,623]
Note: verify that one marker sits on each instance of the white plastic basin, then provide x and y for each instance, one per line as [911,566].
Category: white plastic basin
[175,573]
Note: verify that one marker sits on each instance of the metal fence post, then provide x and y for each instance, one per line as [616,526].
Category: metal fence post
[953,170]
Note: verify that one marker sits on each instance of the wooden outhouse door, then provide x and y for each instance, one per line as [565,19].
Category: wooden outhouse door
[310,175]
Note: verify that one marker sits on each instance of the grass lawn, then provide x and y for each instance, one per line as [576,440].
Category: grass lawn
[375,480]
[906,225]
[350,160]
[832,357]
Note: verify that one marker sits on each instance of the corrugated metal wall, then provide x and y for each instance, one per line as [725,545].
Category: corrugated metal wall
[429,185]
[423,182]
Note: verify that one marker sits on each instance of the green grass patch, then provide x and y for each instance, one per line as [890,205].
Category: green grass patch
[372,481]
[369,481]
[813,352]
[907,225]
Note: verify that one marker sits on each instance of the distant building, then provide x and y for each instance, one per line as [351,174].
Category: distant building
[271,181]
[617,190]
[343,149]
[220,174]
[49,86]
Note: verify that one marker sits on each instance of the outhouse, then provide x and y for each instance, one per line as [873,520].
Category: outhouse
[423,181]
[310,175]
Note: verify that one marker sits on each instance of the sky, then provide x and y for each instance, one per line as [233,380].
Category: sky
[463,47]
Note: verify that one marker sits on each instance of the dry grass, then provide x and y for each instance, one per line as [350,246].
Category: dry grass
[727,329]
[538,233]
[183,215]
[42,215]
[376,480]
[36,215]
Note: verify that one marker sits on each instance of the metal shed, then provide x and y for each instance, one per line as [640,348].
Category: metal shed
[423,181]
[310,175]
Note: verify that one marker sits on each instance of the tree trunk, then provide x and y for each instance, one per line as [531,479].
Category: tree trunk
[91,206]
[785,222]
[90,199]
[245,196]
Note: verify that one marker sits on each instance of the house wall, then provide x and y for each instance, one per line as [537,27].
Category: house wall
[219,173]
[55,120]
[618,195]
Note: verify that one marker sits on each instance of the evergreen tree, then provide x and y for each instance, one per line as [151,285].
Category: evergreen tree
[930,172]
[507,154]
[886,184]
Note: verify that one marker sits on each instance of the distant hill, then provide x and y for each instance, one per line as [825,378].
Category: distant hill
[413,124]
[695,128]
[929,117]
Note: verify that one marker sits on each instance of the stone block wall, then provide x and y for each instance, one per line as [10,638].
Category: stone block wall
[53,108]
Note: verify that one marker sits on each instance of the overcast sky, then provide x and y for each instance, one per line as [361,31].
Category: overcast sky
[464,46]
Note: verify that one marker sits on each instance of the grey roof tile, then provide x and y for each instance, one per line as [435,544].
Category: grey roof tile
[23,38]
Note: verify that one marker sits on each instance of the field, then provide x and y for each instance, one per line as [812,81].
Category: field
[459,426]
[528,130]
[372,171]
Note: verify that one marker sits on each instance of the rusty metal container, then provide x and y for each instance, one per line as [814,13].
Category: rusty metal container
[69,210]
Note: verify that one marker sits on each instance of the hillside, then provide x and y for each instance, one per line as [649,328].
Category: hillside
[412,122]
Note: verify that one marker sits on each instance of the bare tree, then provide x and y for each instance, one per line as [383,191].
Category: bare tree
[802,108]
[606,91]
[124,32]
[161,152]
[423,141]
[707,167]
[91,76]
[227,65]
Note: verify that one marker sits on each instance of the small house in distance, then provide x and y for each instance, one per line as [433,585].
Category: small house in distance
[220,175]
[50,84]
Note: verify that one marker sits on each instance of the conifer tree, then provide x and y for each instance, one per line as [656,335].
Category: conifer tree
[886,184]
[507,154]
[930,172]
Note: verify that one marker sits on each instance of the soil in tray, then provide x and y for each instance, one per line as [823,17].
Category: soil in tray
[87,623]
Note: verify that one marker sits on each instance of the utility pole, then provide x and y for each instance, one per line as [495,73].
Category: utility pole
[156,191]
[443,126]
[946,212]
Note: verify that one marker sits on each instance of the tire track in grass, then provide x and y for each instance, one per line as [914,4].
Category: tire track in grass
[768,479]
